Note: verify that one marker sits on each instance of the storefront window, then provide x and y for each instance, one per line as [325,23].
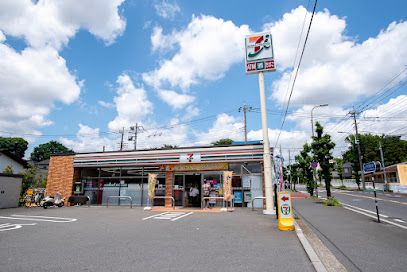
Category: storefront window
[216,188]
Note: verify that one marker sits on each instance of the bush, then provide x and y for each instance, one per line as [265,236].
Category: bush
[342,187]
[332,201]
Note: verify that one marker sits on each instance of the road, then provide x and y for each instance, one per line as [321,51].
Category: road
[124,239]
[357,241]
[392,207]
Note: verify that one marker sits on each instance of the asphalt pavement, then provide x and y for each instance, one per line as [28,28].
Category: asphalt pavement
[392,206]
[124,239]
[357,241]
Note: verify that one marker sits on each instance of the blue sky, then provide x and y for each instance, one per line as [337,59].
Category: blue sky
[78,74]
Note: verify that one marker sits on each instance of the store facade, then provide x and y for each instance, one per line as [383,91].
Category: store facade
[125,173]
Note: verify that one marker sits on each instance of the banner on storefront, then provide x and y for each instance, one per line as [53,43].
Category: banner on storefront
[227,185]
[152,179]
[195,167]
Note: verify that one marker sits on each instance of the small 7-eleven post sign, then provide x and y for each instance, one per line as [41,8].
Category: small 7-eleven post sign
[285,215]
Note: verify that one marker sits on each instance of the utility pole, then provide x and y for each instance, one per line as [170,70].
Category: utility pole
[384,167]
[135,129]
[289,165]
[121,141]
[245,108]
[357,140]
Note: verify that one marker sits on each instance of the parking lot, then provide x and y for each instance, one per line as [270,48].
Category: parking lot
[124,239]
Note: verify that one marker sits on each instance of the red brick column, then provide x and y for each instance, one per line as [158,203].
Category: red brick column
[168,187]
[61,175]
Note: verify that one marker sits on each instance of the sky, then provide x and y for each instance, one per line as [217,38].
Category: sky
[80,73]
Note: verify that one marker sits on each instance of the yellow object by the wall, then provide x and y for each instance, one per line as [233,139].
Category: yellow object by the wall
[285,215]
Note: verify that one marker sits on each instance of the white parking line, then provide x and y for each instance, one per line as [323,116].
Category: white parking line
[39,218]
[145,218]
[9,226]
[173,216]
[182,216]
[399,220]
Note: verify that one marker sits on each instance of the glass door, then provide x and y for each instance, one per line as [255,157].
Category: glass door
[178,189]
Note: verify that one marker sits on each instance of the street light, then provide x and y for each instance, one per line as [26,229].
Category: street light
[312,119]
[312,128]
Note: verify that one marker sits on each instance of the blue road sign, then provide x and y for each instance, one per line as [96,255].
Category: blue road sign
[369,167]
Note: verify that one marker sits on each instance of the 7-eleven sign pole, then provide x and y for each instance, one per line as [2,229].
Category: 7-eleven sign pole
[268,170]
[259,59]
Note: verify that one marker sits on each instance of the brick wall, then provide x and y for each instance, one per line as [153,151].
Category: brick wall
[61,175]
[168,187]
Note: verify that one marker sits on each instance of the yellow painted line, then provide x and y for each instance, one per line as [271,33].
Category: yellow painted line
[369,197]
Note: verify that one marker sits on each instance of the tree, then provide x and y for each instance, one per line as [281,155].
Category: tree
[8,170]
[168,146]
[295,173]
[225,141]
[394,151]
[16,146]
[303,165]
[351,155]
[321,148]
[339,168]
[44,151]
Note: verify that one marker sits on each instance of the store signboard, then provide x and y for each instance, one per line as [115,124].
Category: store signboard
[259,53]
[190,157]
[369,167]
[186,167]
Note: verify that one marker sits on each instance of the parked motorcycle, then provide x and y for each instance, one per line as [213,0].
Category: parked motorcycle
[50,201]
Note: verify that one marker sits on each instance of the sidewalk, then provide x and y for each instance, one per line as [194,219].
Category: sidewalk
[357,241]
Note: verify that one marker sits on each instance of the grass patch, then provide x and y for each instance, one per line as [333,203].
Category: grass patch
[296,217]
[332,201]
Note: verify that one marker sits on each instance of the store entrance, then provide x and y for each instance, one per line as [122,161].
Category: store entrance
[193,189]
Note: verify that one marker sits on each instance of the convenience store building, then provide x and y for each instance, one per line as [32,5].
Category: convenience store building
[125,173]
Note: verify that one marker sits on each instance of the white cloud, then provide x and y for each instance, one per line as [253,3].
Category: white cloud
[336,69]
[36,78]
[106,105]
[32,81]
[225,126]
[88,140]
[208,46]
[302,116]
[53,23]
[2,37]
[191,112]
[161,42]
[174,133]
[174,99]
[166,9]
[132,104]
[288,140]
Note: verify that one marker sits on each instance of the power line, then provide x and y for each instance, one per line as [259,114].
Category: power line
[296,71]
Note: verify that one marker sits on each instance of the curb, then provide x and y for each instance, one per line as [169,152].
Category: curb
[315,260]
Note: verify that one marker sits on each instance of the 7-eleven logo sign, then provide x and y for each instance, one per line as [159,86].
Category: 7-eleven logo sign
[259,46]
[190,157]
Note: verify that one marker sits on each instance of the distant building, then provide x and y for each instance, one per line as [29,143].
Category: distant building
[396,173]
[9,159]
